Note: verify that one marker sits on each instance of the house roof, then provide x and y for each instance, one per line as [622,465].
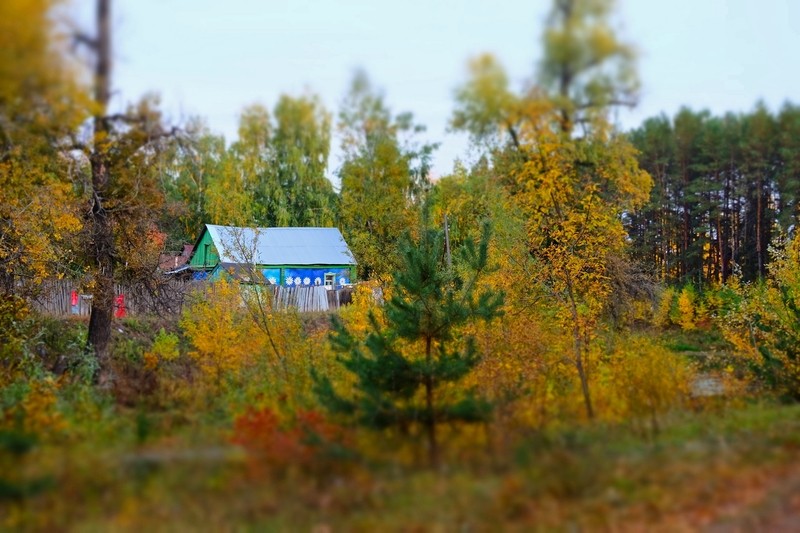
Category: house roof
[280,246]
[173,261]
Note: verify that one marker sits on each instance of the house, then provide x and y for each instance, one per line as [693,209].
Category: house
[283,256]
[171,262]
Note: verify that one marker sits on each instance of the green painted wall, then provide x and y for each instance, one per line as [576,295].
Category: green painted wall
[205,254]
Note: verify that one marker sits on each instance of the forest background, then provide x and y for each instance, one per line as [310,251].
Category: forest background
[596,301]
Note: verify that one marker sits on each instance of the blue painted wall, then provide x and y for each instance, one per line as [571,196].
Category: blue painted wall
[293,276]
[314,276]
[273,275]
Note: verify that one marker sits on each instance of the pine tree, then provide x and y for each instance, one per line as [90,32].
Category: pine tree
[416,348]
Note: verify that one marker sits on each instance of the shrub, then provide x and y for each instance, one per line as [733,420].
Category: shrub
[687,308]
[32,408]
[306,441]
[165,348]
[764,324]
[663,312]
[649,380]
[223,337]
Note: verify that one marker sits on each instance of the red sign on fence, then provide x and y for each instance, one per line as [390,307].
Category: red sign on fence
[73,300]
[119,306]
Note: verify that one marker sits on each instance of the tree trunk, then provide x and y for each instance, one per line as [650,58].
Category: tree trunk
[578,350]
[726,228]
[430,418]
[587,398]
[102,237]
[759,229]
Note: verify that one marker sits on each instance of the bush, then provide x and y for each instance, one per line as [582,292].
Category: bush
[306,441]
[165,348]
[663,314]
[649,380]
[687,307]
[764,324]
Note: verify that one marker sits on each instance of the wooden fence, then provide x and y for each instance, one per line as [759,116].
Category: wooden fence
[168,298]
[313,298]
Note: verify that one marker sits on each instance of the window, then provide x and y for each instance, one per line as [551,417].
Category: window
[329,279]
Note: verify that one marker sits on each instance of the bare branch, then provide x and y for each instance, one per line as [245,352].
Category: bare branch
[612,102]
[79,38]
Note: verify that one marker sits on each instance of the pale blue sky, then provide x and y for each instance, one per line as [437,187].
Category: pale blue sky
[211,58]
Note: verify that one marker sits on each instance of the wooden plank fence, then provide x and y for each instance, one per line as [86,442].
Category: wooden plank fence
[313,298]
[168,298]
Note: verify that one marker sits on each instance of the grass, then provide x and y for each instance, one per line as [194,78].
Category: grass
[587,476]
[694,340]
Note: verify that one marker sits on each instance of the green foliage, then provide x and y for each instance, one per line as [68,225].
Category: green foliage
[273,175]
[722,192]
[405,363]
[383,177]
[33,345]
[14,484]
[193,170]
[765,325]
[61,346]
[165,346]
[284,160]
[13,312]
[129,350]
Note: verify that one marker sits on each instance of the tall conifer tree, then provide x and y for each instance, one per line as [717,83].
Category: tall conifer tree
[416,348]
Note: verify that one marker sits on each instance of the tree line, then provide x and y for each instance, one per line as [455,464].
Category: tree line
[724,188]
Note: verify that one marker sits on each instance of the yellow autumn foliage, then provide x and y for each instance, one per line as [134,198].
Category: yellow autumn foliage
[572,193]
[523,370]
[365,301]
[662,316]
[165,348]
[687,300]
[648,380]
[37,413]
[234,333]
[39,101]
[223,336]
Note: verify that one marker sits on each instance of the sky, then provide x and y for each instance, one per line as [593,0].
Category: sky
[210,59]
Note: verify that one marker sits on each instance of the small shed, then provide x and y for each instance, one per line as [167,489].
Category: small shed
[285,256]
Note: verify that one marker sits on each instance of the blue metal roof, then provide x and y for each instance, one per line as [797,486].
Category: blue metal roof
[281,246]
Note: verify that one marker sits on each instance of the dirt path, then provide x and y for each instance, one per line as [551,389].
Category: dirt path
[776,509]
